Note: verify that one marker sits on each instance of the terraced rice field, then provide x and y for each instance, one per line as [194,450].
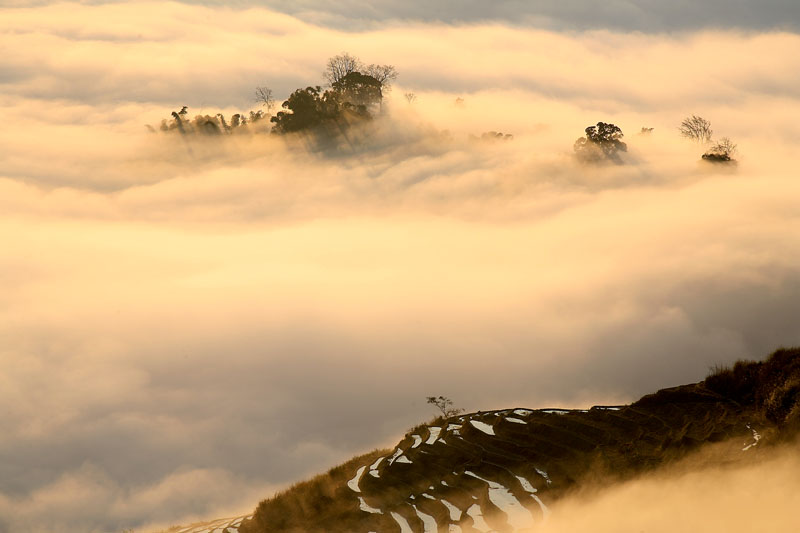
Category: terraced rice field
[497,471]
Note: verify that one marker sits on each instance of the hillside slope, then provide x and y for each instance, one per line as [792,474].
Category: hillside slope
[499,470]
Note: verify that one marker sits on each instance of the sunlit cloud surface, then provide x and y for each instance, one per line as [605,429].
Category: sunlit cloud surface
[189,324]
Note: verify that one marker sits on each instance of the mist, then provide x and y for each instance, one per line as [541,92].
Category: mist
[188,325]
[753,494]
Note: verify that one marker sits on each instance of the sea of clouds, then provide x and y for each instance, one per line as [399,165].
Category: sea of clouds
[188,324]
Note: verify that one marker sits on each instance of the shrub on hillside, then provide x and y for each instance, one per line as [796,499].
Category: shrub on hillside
[737,383]
[772,386]
[721,152]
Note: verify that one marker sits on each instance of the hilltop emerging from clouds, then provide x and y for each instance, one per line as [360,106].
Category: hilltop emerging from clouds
[516,470]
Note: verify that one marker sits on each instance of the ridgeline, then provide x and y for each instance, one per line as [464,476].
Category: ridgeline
[499,470]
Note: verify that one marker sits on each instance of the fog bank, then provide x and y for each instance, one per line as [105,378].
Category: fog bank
[759,496]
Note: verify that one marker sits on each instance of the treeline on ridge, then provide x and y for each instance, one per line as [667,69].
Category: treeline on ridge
[355,93]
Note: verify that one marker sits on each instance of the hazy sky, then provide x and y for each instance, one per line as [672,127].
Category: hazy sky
[186,328]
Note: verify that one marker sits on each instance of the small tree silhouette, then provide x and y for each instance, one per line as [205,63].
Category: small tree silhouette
[445,405]
[264,97]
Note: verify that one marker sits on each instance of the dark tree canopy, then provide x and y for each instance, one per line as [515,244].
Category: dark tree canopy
[355,90]
[311,109]
[307,109]
[359,89]
[602,142]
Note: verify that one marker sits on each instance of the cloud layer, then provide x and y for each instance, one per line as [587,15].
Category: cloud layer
[619,15]
[186,327]
[748,494]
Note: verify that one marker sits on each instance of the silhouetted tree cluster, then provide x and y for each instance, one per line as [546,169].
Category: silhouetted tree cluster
[359,89]
[699,130]
[356,91]
[721,152]
[306,108]
[347,102]
[212,125]
[343,64]
[601,143]
[493,136]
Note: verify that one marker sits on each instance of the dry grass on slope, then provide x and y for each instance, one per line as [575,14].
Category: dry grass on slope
[557,451]
[303,505]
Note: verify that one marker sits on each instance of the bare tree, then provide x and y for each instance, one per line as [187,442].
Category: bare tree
[383,73]
[264,97]
[340,66]
[445,405]
[410,97]
[696,128]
